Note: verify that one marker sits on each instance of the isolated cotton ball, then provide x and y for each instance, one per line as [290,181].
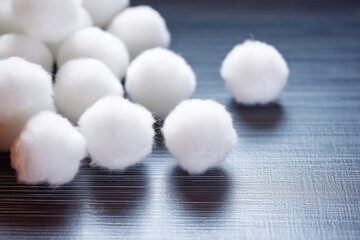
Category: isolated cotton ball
[29,48]
[25,90]
[82,82]
[199,134]
[84,22]
[94,43]
[159,79]
[140,28]
[47,20]
[105,10]
[255,73]
[49,150]
[7,22]
[118,133]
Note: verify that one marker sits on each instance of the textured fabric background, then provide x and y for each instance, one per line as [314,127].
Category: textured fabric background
[294,175]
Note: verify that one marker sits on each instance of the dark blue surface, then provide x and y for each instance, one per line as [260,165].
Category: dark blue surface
[294,175]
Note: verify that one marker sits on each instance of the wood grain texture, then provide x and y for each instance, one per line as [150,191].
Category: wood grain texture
[295,173]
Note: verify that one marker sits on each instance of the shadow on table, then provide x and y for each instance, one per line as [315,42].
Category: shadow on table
[258,117]
[61,211]
[30,209]
[159,140]
[5,161]
[118,194]
[202,195]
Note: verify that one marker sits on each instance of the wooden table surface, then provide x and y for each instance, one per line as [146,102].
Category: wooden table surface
[295,173]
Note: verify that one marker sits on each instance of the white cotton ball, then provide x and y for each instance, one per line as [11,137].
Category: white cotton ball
[25,90]
[255,73]
[82,82]
[84,22]
[85,19]
[140,28]
[105,10]
[94,43]
[159,79]
[49,150]
[47,20]
[199,134]
[7,22]
[118,133]
[31,49]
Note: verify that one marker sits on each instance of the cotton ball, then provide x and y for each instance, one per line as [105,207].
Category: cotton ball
[47,20]
[25,90]
[159,79]
[118,133]
[49,150]
[199,134]
[255,73]
[94,43]
[84,22]
[140,28]
[7,23]
[82,82]
[105,10]
[26,47]
[85,19]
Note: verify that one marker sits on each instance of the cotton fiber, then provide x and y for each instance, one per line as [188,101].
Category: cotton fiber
[49,150]
[82,82]
[159,79]
[92,42]
[25,90]
[105,10]
[118,133]
[140,28]
[7,23]
[47,20]
[84,22]
[26,47]
[255,73]
[199,134]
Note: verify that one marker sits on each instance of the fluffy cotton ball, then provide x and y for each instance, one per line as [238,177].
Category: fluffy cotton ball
[119,133]
[47,20]
[199,134]
[49,150]
[94,43]
[25,90]
[140,28]
[105,10]
[82,82]
[84,22]
[159,79]
[26,47]
[255,73]
[7,23]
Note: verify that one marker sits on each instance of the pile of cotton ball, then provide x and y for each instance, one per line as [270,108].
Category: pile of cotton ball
[91,46]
